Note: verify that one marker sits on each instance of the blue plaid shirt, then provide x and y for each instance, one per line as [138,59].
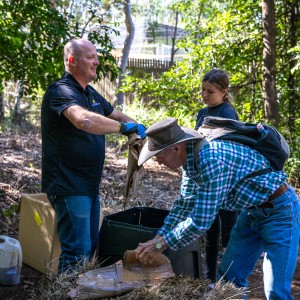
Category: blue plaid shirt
[218,181]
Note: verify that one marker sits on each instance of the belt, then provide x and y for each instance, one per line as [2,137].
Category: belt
[268,204]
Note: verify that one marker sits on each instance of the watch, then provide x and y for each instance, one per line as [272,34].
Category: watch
[158,245]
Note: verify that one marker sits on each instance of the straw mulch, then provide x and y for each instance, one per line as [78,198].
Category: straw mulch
[57,287]
[183,287]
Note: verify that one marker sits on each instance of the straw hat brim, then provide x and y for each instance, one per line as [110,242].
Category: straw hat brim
[190,134]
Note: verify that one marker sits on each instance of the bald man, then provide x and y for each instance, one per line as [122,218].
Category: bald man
[74,121]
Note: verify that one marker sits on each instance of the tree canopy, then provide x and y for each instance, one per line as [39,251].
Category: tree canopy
[229,35]
[33,36]
[226,34]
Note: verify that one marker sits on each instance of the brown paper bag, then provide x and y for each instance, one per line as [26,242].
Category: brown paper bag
[118,279]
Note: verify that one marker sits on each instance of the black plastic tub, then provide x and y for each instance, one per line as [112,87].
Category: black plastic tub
[125,230]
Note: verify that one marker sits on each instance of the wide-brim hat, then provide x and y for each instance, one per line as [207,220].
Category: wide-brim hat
[164,134]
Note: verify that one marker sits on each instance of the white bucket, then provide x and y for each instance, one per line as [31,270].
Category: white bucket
[10,260]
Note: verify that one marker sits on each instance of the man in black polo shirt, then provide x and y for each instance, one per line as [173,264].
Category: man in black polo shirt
[75,119]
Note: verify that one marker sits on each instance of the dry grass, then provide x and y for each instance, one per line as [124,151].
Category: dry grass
[183,287]
[56,286]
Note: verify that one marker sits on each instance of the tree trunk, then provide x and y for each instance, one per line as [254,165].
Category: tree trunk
[17,118]
[173,50]
[119,101]
[1,108]
[271,106]
[293,96]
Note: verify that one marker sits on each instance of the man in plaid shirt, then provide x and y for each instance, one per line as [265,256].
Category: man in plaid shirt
[218,176]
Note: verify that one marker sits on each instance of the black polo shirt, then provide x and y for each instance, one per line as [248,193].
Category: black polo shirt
[72,159]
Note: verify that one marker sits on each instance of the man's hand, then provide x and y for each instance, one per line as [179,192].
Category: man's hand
[147,253]
[130,127]
[141,131]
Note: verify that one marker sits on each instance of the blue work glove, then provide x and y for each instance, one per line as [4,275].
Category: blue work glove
[141,131]
[128,128]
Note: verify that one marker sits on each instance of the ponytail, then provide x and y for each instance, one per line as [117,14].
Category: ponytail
[227,98]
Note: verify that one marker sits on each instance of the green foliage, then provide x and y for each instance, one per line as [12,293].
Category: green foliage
[11,211]
[293,164]
[34,32]
[296,53]
[292,169]
[174,96]
[144,114]
[228,35]
[33,36]
[100,36]
[218,34]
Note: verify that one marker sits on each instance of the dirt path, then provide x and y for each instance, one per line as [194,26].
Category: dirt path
[20,172]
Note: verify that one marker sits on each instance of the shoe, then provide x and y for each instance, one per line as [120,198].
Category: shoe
[211,286]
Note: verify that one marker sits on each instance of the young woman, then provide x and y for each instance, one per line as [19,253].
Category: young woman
[215,94]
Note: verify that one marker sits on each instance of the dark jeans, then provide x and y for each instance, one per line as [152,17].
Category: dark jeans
[222,225]
[78,227]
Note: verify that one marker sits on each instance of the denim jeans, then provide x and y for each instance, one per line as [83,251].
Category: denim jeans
[272,230]
[78,227]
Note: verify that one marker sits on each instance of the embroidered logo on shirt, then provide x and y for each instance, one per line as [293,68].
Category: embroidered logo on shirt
[94,102]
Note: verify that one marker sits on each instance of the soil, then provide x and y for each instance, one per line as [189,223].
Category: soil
[20,172]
